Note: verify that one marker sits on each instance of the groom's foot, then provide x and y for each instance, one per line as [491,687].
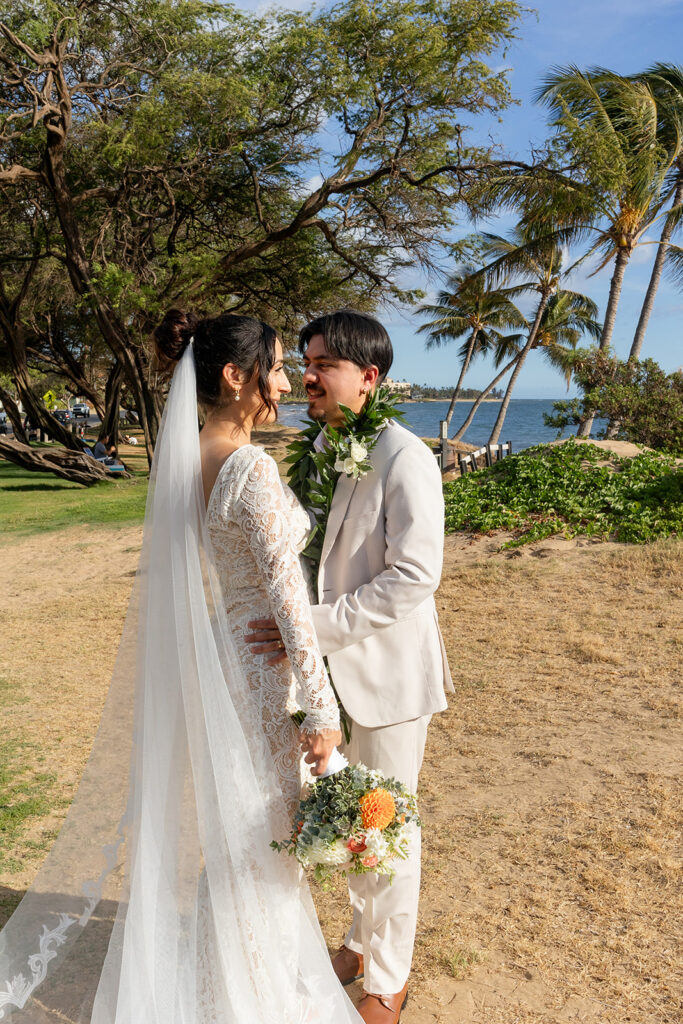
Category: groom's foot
[376,1009]
[348,966]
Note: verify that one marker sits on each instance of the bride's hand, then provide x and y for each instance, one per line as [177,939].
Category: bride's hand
[319,747]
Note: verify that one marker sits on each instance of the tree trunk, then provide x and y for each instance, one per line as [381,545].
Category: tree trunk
[14,416]
[77,467]
[502,412]
[12,329]
[623,256]
[463,371]
[73,370]
[113,331]
[37,413]
[655,277]
[112,404]
[487,390]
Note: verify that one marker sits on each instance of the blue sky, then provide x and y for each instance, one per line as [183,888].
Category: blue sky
[626,36]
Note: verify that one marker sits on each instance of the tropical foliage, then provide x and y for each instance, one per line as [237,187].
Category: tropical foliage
[568,489]
[612,173]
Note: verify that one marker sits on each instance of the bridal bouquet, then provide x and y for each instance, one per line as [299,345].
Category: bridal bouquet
[353,821]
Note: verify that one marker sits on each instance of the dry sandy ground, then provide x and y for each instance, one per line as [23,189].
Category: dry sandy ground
[551,789]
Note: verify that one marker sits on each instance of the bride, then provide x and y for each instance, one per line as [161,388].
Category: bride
[161,901]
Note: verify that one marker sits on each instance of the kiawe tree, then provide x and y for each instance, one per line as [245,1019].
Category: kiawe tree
[276,164]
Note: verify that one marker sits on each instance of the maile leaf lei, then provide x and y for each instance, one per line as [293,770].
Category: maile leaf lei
[313,474]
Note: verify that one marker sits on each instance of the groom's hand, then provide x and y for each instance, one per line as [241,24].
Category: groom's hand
[266,639]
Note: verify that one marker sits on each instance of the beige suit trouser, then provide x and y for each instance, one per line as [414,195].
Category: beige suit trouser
[385,913]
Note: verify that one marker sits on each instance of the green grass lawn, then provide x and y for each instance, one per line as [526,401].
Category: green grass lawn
[27,794]
[35,502]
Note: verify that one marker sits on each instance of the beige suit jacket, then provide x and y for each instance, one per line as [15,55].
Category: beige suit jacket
[381,563]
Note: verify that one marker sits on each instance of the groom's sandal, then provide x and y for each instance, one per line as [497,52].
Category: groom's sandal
[348,966]
[376,1009]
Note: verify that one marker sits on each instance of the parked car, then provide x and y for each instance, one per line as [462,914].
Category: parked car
[3,421]
[63,415]
[80,409]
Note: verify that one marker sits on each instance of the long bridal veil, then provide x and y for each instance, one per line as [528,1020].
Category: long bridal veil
[161,901]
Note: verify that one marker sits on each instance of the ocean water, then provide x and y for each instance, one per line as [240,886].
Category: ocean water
[523,425]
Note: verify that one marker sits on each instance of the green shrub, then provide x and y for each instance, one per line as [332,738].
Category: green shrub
[562,489]
[642,402]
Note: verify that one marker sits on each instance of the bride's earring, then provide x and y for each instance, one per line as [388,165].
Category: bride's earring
[237,394]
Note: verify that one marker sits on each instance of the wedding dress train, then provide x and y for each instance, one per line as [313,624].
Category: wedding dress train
[161,901]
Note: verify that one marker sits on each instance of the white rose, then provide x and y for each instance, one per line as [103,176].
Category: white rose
[376,844]
[358,451]
[349,466]
[339,466]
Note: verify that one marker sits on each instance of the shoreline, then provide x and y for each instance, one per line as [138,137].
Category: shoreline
[419,401]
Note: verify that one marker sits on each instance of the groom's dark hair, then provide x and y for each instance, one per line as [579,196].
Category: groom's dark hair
[354,336]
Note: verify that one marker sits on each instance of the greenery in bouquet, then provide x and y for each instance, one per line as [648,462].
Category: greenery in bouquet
[353,822]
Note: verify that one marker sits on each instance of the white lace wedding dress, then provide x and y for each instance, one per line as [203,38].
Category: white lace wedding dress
[257,527]
[161,901]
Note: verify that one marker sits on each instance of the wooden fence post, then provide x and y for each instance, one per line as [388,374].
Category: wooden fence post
[443,444]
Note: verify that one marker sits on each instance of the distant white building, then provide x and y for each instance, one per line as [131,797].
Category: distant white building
[399,387]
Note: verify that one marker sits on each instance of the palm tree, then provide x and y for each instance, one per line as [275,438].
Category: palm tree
[464,426]
[538,259]
[622,115]
[612,128]
[666,83]
[469,307]
[566,318]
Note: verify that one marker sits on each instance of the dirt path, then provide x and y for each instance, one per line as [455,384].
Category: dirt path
[551,788]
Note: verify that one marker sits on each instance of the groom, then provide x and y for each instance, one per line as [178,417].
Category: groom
[376,622]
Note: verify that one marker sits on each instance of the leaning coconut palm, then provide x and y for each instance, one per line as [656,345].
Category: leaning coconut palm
[508,365]
[539,261]
[666,83]
[619,119]
[566,319]
[467,306]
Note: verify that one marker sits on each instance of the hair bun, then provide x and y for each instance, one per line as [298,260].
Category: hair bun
[174,334]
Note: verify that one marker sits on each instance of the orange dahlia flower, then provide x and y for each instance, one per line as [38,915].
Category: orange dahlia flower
[377,809]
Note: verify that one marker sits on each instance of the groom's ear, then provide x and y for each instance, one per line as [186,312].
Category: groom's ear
[370,376]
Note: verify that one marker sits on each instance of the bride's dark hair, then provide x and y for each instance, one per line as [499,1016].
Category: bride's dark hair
[242,340]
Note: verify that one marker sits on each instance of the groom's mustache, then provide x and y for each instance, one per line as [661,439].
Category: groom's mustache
[314,392]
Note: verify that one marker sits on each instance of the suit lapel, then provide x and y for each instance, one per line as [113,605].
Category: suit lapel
[343,493]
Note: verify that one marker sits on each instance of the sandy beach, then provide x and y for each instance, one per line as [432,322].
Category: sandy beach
[550,793]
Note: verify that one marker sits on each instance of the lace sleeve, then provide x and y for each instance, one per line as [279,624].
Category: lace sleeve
[261,514]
